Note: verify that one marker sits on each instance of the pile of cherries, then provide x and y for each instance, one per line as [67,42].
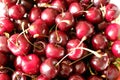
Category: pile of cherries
[59,40]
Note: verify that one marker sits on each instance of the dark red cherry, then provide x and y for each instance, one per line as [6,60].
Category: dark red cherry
[58,37]
[16,11]
[48,68]
[4,59]
[71,1]
[112,31]
[76,9]
[42,77]
[4,76]
[38,29]
[84,28]
[34,14]
[94,77]
[112,12]
[102,25]
[48,15]
[93,15]
[115,48]
[100,63]
[64,21]
[18,45]
[76,77]
[99,41]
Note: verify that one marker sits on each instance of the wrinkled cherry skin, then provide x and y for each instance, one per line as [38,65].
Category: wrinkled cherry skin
[31,64]
[34,14]
[3,46]
[77,53]
[99,41]
[94,77]
[4,76]
[112,31]
[64,21]
[93,15]
[54,51]
[84,28]
[6,25]
[48,68]
[76,77]
[18,45]
[16,11]
[48,15]
[76,9]
[100,64]
[115,48]
[111,73]
[38,29]
[58,37]
[112,12]
[18,75]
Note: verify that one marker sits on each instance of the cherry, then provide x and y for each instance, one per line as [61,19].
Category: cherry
[84,28]
[64,21]
[111,73]
[76,9]
[48,15]
[3,44]
[35,13]
[100,64]
[76,77]
[16,11]
[18,75]
[43,1]
[4,76]
[99,3]
[112,31]
[112,12]
[18,45]
[48,68]
[54,51]
[93,15]
[94,77]
[42,77]
[115,48]
[58,37]
[38,29]
[99,41]
[6,25]
[27,64]
[4,59]
[102,25]
[71,1]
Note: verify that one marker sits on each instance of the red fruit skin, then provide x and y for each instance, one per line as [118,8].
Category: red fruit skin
[42,77]
[18,45]
[31,64]
[4,59]
[4,76]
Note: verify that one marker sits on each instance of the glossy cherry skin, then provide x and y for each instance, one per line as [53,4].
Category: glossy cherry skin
[84,28]
[98,3]
[112,72]
[48,68]
[38,29]
[102,25]
[112,12]
[76,9]
[31,64]
[42,77]
[112,31]
[48,15]
[93,15]
[18,75]
[115,48]
[58,37]
[59,5]
[77,53]
[76,77]
[54,51]
[100,64]
[4,59]
[94,77]
[71,1]
[6,25]
[3,46]
[18,45]
[99,41]
[16,11]
[4,76]
[64,21]
[35,13]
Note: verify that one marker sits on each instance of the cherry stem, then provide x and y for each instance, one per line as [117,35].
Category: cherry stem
[80,59]
[1,67]
[91,72]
